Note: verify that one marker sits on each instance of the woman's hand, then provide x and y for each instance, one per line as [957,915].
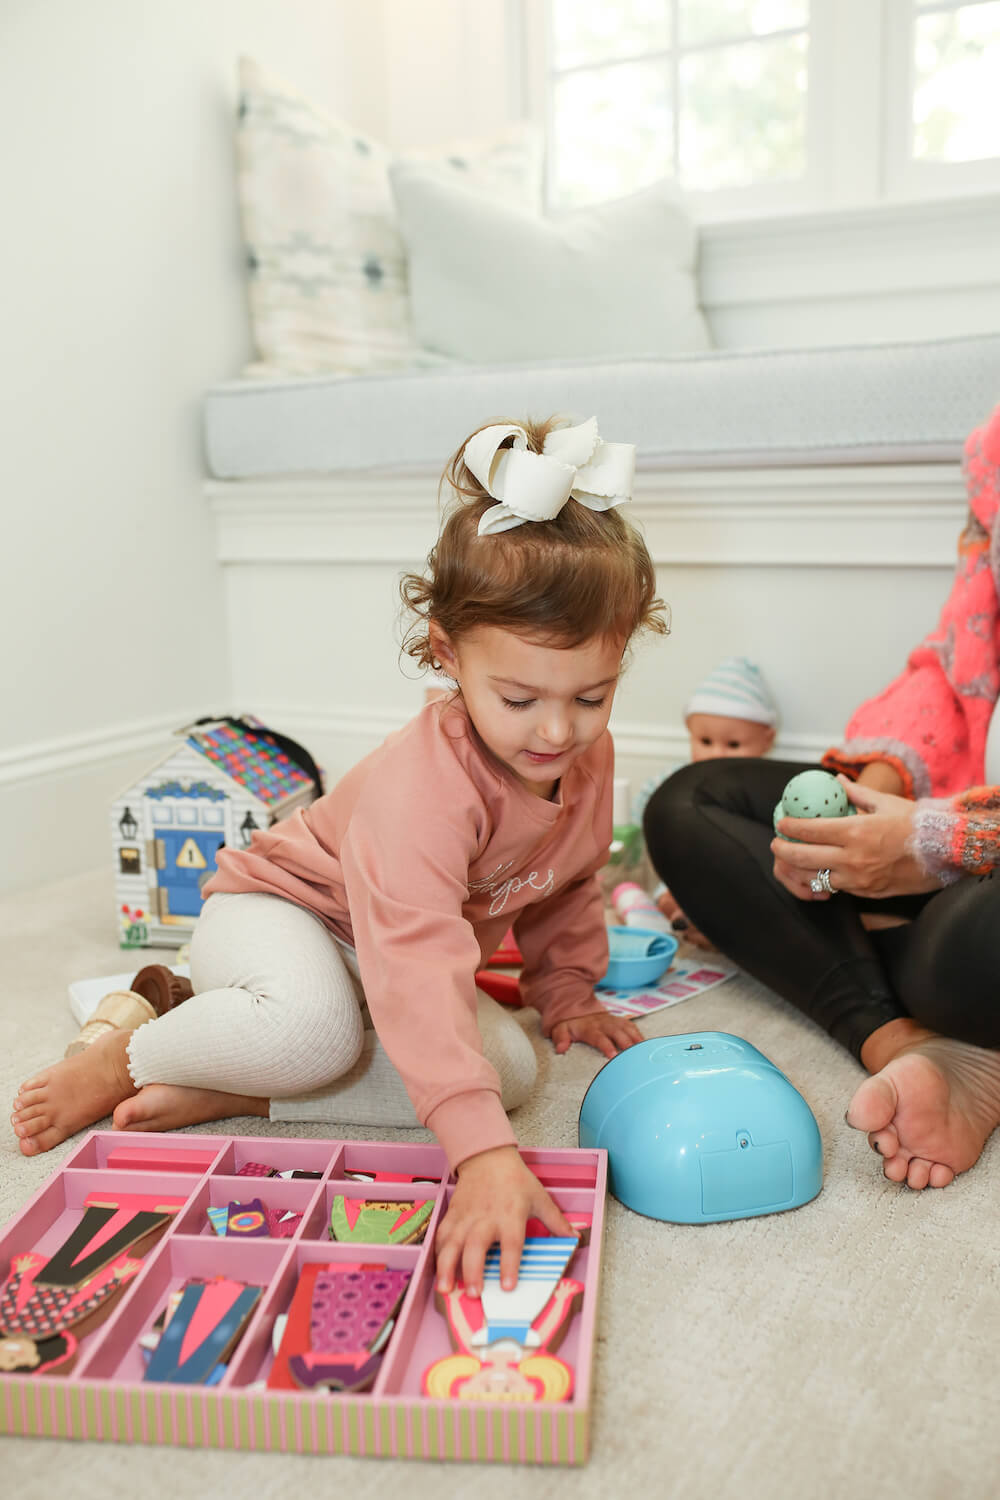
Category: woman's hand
[609,1034]
[495,1197]
[866,855]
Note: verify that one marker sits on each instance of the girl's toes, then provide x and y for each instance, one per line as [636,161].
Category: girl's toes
[28,1096]
[38,1122]
[918,1174]
[44,1141]
[885,1142]
[941,1175]
[130,1114]
[31,1112]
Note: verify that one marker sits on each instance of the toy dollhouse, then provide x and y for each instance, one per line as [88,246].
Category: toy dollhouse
[225,779]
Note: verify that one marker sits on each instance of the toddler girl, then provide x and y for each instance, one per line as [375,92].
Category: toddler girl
[490,810]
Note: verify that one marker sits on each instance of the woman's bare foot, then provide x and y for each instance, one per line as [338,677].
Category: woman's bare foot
[72,1094]
[929,1107]
[168,1106]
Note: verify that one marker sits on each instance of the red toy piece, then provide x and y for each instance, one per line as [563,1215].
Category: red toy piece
[503,987]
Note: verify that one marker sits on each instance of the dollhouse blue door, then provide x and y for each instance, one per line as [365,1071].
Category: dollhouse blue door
[189,857]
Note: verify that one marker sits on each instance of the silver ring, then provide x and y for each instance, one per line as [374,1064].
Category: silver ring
[820,883]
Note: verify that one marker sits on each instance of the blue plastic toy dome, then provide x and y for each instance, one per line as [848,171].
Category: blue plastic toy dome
[700,1128]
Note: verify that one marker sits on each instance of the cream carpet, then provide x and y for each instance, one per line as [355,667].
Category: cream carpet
[846,1349]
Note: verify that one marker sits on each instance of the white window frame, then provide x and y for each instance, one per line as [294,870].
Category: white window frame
[858,117]
[906,176]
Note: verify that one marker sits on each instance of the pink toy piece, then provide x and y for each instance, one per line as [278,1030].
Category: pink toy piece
[282,1226]
[406,1177]
[151,1159]
[256,1169]
[552,1174]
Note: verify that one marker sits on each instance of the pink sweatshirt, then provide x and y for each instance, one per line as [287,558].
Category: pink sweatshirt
[421,858]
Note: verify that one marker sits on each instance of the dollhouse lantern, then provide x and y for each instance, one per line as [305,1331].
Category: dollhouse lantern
[224,779]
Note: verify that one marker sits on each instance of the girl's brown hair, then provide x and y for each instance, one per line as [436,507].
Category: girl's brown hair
[582,575]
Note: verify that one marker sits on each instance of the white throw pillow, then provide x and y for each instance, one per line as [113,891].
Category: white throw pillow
[492,283]
[327,267]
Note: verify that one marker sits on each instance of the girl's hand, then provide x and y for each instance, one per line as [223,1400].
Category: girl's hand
[495,1197]
[609,1034]
[866,856]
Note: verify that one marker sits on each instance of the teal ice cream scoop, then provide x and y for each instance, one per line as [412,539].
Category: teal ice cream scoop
[812,794]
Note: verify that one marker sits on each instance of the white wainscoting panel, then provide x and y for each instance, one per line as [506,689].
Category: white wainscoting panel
[825,577]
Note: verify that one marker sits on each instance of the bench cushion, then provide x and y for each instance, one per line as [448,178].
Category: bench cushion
[872,403]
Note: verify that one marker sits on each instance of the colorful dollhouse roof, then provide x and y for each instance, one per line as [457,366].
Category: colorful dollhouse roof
[257,764]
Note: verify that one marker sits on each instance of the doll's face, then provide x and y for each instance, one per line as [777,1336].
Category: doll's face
[715,736]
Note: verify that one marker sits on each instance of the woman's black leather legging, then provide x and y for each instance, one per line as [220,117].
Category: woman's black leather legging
[708,829]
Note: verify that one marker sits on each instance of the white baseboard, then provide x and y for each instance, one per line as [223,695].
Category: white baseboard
[55,795]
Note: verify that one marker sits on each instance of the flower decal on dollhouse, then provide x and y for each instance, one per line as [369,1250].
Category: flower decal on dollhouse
[134,932]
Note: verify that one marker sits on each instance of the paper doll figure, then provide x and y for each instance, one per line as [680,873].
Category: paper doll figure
[30,1307]
[511,1314]
[504,1369]
[27,1356]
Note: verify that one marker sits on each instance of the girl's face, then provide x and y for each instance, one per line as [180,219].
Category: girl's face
[536,707]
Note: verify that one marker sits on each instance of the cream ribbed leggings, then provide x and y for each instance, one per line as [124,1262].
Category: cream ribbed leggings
[279,1013]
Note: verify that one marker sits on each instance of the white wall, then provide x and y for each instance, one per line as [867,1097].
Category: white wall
[123,298]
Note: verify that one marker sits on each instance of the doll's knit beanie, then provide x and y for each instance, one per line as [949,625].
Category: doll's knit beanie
[734,690]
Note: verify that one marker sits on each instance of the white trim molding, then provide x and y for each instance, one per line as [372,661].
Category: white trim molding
[94,747]
[873,515]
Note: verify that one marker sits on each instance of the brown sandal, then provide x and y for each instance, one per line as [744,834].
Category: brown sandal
[161,987]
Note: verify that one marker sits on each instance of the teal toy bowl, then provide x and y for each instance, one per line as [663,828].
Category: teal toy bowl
[701,1128]
[638,956]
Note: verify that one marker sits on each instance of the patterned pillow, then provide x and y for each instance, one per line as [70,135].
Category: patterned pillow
[326,264]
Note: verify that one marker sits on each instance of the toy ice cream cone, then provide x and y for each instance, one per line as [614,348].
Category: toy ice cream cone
[155,990]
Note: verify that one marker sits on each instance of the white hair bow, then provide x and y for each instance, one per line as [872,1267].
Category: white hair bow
[535,486]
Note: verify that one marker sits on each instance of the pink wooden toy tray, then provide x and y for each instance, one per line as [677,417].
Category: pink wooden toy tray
[107,1392]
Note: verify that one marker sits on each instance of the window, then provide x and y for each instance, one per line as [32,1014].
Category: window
[759,106]
[944,122]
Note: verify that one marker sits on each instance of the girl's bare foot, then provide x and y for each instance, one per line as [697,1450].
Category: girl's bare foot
[929,1107]
[72,1094]
[168,1106]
